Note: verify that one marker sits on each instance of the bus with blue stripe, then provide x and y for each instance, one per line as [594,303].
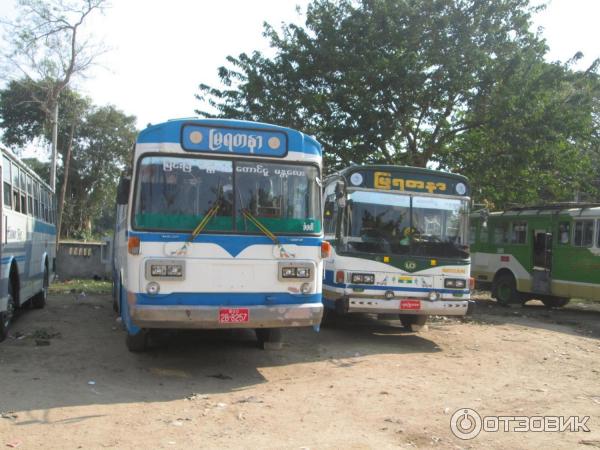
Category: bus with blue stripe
[219,225]
[399,238]
[28,239]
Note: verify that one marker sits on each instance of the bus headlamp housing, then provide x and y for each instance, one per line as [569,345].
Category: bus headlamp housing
[165,269]
[295,271]
[455,283]
[363,278]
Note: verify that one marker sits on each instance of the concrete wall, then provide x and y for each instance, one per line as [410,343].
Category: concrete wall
[84,260]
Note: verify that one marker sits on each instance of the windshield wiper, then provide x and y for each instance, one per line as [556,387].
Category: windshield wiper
[201,225]
[283,253]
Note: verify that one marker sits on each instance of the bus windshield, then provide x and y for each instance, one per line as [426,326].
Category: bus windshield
[174,194]
[406,224]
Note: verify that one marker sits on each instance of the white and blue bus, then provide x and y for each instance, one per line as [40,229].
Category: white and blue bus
[28,237]
[400,245]
[219,226]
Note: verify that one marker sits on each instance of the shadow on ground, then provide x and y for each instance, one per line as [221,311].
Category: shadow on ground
[73,353]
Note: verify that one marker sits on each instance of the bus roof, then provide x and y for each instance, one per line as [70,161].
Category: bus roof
[9,154]
[566,208]
[172,132]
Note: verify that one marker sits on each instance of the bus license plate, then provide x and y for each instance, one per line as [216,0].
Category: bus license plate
[410,304]
[233,315]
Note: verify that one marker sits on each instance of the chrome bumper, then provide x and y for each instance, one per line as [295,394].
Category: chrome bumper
[394,306]
[207,317]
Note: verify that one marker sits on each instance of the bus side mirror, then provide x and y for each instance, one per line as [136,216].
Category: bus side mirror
[123,190]
[340,197]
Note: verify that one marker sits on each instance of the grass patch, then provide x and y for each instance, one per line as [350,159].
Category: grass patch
[90,287]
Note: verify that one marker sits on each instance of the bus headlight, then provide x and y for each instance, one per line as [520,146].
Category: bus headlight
[295,271]
[455,283]
[363,278]
[153,288]
[305,288]
[164,269]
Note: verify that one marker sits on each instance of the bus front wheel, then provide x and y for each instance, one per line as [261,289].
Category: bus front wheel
[410,320]
[39,301]
[555,302]
[6,317]
[137,342]
[269,338]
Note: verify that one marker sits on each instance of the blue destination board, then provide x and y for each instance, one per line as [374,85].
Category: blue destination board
[197,138]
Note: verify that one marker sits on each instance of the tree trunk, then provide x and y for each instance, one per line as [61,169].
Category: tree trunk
[54,146]
[63,190]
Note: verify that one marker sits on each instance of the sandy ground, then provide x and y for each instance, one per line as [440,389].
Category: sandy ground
[68,381]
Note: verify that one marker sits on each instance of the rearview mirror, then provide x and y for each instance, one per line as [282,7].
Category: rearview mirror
[123,190]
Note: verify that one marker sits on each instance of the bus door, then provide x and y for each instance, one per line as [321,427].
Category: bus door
[542,262]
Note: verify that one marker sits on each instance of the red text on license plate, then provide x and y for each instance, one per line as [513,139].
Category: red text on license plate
[233,315]
[410,304]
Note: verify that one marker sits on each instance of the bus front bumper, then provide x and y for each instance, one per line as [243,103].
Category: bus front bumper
[409,306]
[208,317]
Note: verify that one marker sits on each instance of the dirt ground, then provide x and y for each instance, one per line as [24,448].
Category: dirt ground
[68,381]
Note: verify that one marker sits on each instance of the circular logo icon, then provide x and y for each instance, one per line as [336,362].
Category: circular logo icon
[356,179]
[195,137]
[461,189]
[274,143]
[465,424]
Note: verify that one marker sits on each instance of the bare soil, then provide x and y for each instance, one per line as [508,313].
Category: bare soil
[68,381]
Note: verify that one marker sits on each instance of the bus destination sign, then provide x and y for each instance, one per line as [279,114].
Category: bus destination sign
[197,138]
[399,180]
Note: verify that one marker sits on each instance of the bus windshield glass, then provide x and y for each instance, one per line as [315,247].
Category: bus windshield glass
[174,194]
[406,224]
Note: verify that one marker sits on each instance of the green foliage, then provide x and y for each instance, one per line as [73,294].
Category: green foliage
[378,80]
[78,286]
[101,151]
[538,141]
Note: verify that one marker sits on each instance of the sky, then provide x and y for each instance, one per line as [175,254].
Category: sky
[160,51]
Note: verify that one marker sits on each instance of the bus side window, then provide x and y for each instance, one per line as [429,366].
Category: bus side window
[564,232]
[472,233]
[501,233]
[519,232]
[29,195]
[7,182]
[584,233]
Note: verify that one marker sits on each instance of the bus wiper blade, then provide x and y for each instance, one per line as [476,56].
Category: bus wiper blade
[282,251]
[209,215]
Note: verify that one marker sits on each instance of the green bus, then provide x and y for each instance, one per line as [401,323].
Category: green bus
[550,253]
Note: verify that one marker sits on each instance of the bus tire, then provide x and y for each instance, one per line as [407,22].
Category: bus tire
[505,291]
[138,342]
[555,302]
[269,338]
[40,299]
[408,320]
[115,295]
[6,317]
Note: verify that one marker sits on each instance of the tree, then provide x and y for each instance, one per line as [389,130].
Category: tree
[101,151]
[380,80]
[45,46]
[538,141]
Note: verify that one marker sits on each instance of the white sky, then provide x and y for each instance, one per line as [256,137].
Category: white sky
[162,50]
